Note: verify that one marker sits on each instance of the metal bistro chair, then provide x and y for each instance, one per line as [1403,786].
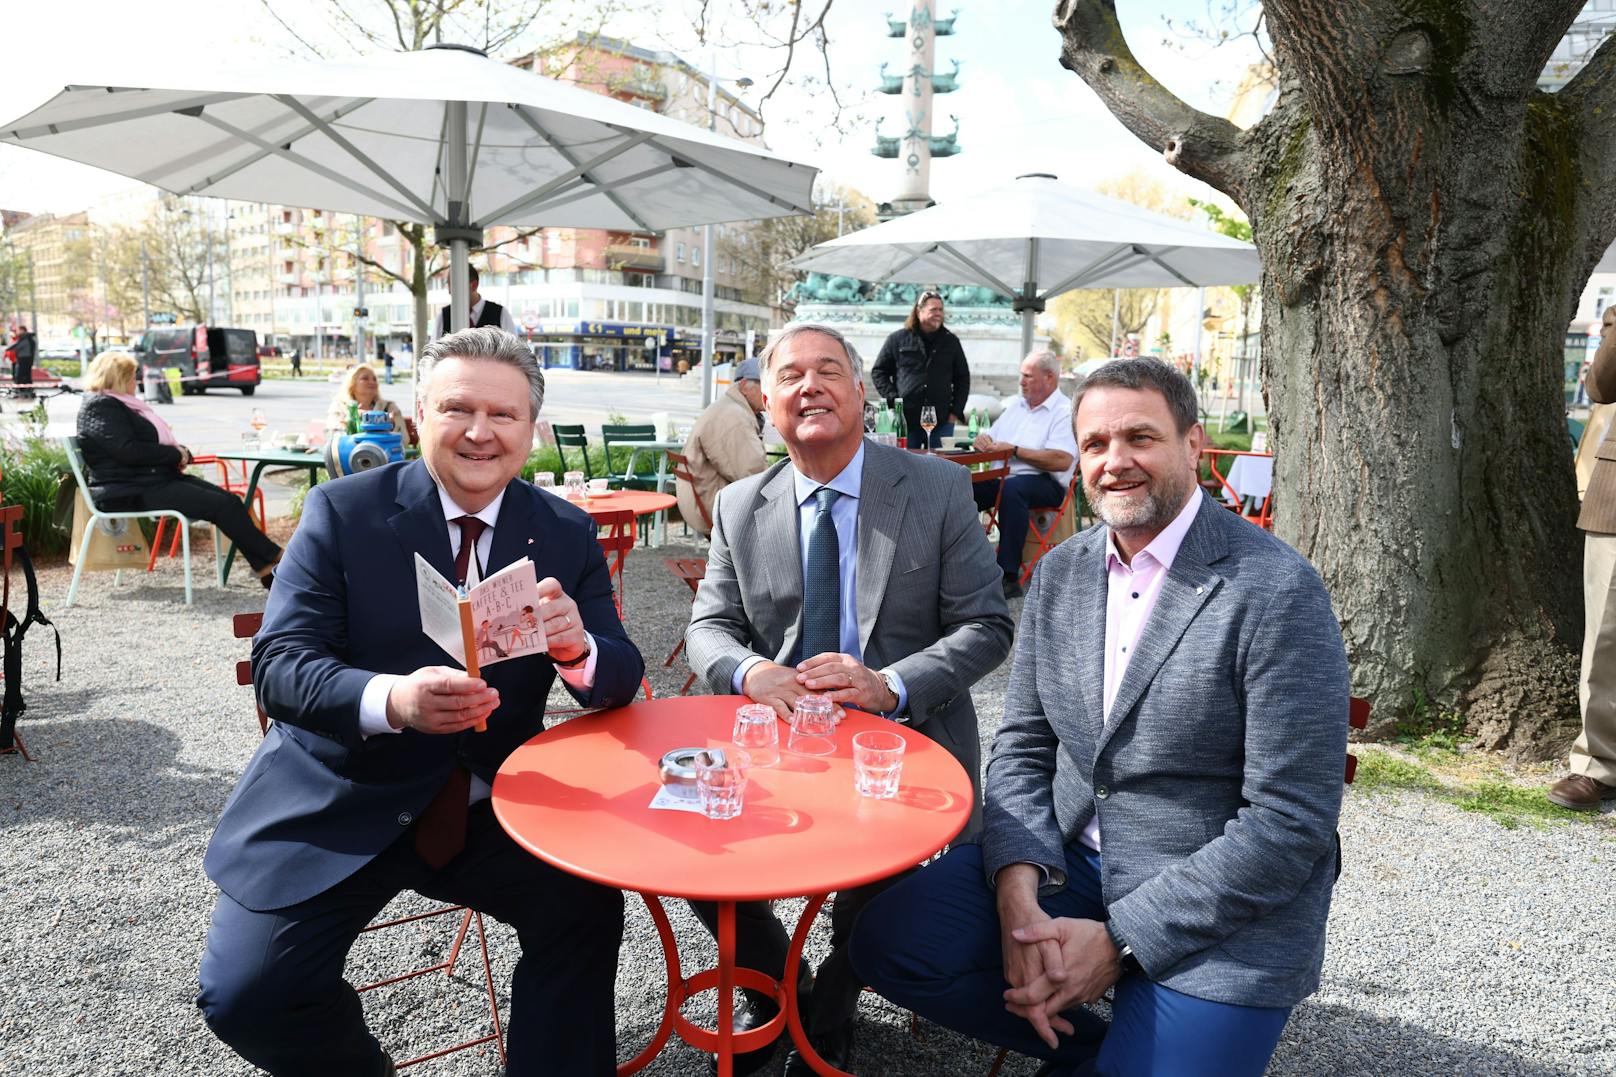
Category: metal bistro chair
[232,479]
[573,437]
[75,460]
[1045,534]
[1357,718]
[245,626]
[627,436]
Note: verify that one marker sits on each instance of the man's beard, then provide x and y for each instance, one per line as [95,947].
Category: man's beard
[1163,500]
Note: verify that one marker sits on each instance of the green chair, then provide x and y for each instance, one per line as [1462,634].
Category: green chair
[572,437]
[627,435]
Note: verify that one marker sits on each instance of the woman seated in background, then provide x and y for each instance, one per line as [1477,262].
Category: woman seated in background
[360,388]
[134,463]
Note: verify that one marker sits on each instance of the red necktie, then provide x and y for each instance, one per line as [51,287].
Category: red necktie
[471,529]
[440,832]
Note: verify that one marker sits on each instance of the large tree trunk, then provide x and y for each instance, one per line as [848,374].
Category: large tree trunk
[1426,221]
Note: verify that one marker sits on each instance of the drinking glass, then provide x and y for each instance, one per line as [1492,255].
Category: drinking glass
[574,482]
[757,733]
[877,763]
[250,440]
[813,726]
[258,420]
[721,782]
[928,423]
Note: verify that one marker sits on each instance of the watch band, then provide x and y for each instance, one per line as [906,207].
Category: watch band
[577,660]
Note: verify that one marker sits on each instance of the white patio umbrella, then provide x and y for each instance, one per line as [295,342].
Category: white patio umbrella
[1049,236]
[444,136]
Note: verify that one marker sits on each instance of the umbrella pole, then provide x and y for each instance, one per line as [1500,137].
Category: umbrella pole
[459,234]
[1027,303]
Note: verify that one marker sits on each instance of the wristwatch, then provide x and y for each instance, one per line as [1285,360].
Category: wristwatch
[576,660]
[1125,958]
[892,686]
[1015,452]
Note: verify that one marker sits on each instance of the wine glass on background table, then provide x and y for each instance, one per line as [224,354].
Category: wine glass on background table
[258,421]
[928,423]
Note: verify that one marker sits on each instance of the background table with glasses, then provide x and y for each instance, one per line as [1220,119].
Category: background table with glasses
[578,797]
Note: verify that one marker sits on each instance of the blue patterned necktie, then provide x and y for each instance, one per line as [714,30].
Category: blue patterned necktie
[822,587]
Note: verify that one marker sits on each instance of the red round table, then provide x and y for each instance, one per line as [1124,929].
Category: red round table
[578,796]
[639,502]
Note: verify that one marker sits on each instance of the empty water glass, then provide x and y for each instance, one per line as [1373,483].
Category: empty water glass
[877,763]
[544,480]
[574,482]
[721,782]
[758,733]
[813,726]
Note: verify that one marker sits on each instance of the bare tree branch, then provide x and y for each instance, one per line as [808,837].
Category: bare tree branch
[301,40]
[1197,144]
[1588,102]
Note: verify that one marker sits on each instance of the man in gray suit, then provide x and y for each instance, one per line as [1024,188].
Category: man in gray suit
[856,570]
[1163,792]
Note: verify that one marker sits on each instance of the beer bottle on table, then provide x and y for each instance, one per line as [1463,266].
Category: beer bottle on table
[899,427]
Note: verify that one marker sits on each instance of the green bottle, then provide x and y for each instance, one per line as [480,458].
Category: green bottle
[883,419]
[975,426]
[899,427]
[353,417]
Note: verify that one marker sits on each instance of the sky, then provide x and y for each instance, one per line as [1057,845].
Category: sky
[1019,111]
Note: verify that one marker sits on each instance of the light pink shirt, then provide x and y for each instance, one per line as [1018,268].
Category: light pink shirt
[1131,593]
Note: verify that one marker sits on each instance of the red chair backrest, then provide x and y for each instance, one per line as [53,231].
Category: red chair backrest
[680,465]
[997,459]
[1357,718]
[246,626]
[615,533]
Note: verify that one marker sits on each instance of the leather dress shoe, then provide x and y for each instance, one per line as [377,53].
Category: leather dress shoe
[835,1048]
[753,1011]
[1580,792]
[1012,588]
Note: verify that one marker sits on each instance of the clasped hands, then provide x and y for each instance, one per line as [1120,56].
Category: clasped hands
[442,699]
[842,677]
[1051,964]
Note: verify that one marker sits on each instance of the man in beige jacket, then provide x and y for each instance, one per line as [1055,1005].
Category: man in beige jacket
[726,444]
[1593,756]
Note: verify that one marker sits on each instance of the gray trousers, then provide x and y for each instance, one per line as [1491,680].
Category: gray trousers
[1594,753]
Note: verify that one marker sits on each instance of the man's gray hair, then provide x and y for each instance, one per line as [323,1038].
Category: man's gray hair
[1143,373]
[1047,361]
[766,359]
[486,342]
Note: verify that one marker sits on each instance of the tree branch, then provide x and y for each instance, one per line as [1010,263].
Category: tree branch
[1195,143]
[1590,99]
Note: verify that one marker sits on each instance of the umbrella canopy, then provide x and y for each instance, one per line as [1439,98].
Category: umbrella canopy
[444,136]
[1034,239]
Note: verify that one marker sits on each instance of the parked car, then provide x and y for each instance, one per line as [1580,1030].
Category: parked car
[206,356]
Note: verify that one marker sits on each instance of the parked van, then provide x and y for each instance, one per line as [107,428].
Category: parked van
[206,356]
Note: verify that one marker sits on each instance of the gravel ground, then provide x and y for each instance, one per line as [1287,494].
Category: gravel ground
[1456,946]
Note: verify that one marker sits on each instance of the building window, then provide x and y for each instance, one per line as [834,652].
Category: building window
[679,253]
[695,255]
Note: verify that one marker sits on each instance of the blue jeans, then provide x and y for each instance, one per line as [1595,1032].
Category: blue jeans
[1022,494]
[931,944]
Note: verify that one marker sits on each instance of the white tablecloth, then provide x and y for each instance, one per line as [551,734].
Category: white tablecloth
[1251,477]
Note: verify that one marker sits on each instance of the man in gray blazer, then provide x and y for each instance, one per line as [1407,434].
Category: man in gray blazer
[1163,792]
[857,570]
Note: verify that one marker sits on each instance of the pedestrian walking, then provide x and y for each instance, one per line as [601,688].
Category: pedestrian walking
[297,362]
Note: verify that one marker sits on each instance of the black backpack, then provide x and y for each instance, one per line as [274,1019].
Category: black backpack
[12,706]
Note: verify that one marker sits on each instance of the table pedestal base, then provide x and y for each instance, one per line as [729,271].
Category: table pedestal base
[724,1041]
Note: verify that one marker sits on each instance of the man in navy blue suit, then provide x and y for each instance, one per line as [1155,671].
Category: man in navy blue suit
[371,779]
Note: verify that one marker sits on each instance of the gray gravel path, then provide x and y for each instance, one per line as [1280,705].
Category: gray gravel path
[1456,946]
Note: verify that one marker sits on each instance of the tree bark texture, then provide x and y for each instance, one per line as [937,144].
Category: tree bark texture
[1426,219]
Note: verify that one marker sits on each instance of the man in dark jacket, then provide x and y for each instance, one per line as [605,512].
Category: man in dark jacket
[25,348]
[924,364]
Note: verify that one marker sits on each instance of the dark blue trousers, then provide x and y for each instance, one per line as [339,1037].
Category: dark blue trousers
[917,433]
[932,944]
[1022,494]
[272,986]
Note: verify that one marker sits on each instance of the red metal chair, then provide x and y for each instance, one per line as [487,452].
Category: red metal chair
[679,467]
[1044,535]
[245,626]
[1218,485]
[692,571]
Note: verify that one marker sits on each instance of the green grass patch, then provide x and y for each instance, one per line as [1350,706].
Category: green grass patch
[1469,781]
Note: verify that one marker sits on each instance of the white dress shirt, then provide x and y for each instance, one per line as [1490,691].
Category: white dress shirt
[1048,426]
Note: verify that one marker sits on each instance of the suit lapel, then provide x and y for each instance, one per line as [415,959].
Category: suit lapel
[882,504]
[1189,585]
[517,532]
[782,556]
[419,524]
[1089,582]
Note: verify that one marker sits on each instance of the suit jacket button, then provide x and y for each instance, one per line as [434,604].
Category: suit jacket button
[405,818]
[1101,792]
